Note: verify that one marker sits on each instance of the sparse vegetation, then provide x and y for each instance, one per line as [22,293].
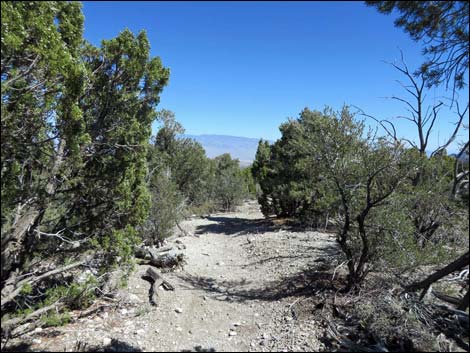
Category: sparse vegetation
[88,194]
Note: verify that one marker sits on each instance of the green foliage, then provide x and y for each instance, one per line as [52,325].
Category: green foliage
[229,186]
[76,123]
[249,181]
[443,27]
[54,319]
[26,289]
[183,180]
[166,210]
[287,177]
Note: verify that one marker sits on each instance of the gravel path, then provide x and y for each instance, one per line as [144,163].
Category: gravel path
[242,288]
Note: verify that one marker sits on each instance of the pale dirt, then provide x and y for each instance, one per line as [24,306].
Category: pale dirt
[243,288]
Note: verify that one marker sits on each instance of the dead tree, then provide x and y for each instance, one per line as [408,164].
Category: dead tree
[166,258]
[423,118]
[456,265]
[156,280]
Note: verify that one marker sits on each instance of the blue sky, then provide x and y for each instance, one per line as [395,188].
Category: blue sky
[242,68]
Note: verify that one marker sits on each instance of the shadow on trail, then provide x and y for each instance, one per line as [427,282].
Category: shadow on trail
[80,346]
[307,282]
[243,226]
[327,252]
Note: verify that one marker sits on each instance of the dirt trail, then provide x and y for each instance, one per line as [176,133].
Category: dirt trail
[241,290]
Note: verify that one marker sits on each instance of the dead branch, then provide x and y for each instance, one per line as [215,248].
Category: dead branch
[9,294]
[456,265]
[156,280]
[8,325]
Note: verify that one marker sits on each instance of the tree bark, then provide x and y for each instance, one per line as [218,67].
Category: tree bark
[167,258]
[464,303]
[9,293]
[156,280]
[461,262]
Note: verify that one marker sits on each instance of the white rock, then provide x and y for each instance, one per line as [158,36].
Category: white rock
[124,311]
[178,310]
[106,341]
[139,332]
[134,298]
[232,333]
[236,324]
[37,341]
[179,329]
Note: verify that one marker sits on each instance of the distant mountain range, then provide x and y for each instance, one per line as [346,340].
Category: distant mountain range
[242,148]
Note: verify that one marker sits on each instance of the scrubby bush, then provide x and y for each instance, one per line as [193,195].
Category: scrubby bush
[229,186]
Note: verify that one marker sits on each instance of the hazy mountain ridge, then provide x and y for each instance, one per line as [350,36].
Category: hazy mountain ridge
[243,148]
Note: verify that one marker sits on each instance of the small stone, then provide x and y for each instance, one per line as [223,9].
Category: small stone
[236,324]
[38,329]
[139,332]
[124,311]
[106,341]
[179,329]
[134,298]
[178,310]
[232,333]
[37,341]
[157,330]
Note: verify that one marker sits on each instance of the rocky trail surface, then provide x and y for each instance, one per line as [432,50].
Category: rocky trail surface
[245,286]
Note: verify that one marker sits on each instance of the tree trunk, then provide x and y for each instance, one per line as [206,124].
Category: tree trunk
[461,262]
[464,303]
[168,258]
[156,280]
[14,244]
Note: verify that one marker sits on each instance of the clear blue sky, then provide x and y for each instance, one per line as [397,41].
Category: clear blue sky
[242,68]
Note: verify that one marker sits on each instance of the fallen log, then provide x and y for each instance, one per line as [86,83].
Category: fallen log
[456,265]
[463,305]
[446,298]
[156,280]
[8,325]
[168,258]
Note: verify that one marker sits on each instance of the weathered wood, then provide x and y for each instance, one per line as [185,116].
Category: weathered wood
[461,262]
[9,294]
[447,298]
[168,258]
[156,280]
[8,325]
[463,305]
